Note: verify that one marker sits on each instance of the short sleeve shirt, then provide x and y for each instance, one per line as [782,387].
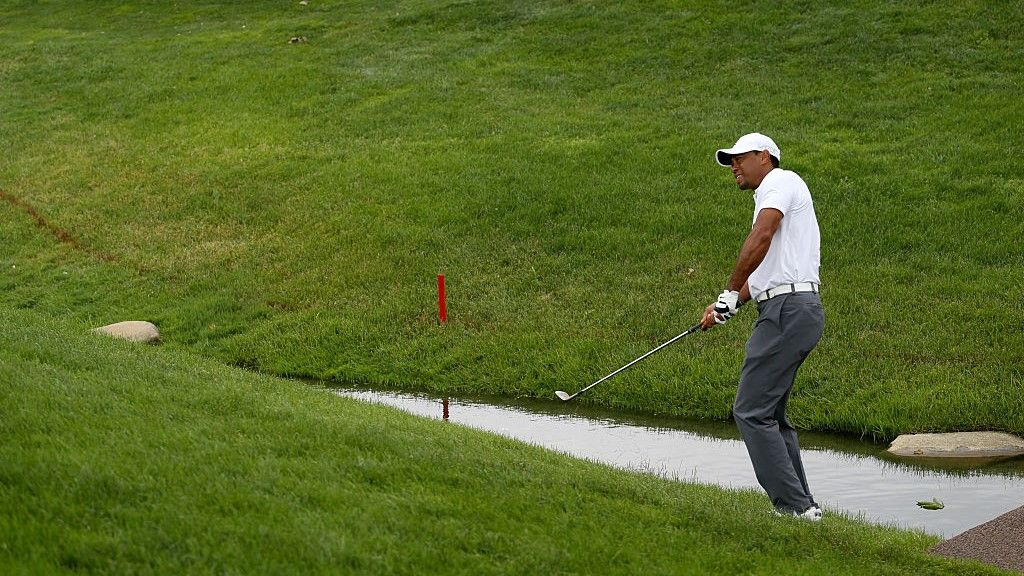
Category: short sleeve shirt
[795,252]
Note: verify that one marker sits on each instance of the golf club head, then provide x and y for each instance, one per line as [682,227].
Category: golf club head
[563,396]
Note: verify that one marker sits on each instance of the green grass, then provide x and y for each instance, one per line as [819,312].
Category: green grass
[286,207]
[121,459]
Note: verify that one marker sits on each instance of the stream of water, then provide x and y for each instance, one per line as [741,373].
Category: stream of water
[846,475]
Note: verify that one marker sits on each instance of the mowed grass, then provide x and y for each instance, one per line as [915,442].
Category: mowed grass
[287,206]
[119,459]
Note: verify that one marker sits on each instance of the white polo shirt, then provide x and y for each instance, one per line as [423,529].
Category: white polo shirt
[795,252]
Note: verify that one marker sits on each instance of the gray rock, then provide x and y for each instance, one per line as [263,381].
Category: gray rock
[133,330]
[958,445]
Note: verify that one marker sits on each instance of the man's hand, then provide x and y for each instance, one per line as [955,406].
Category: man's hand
[727,305]
[720,312]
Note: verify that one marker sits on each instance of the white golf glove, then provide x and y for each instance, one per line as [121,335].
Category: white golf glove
[727,306]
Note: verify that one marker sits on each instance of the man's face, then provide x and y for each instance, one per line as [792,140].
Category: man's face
[749,169]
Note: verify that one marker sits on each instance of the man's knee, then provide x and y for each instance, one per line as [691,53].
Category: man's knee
[748,416]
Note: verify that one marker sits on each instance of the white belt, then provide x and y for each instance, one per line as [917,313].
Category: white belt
[787,289]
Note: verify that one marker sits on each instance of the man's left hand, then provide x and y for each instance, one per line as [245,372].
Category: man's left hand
[728,304]
[720,312]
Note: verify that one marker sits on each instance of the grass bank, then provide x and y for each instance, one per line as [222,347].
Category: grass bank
[287,206]
[125,459]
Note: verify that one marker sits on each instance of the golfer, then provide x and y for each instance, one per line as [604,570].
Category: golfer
[777,267]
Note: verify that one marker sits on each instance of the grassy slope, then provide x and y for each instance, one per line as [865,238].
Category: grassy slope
[287,206]
[126,459]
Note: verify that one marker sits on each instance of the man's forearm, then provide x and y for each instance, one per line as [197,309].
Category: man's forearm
[751,254]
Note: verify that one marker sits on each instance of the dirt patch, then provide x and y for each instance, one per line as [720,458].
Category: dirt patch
[999,542]
[57,232]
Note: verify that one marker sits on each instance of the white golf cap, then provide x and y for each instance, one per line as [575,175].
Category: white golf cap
[753,142]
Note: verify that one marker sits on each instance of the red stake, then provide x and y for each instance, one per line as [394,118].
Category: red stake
[442,309]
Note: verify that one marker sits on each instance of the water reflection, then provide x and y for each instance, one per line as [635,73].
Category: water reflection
[856,477]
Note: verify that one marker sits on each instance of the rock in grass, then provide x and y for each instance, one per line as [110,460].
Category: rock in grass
[958,445]
[133,330]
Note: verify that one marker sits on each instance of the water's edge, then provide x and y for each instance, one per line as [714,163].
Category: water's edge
[856,477]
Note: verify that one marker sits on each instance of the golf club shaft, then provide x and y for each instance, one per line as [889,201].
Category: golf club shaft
[693,328]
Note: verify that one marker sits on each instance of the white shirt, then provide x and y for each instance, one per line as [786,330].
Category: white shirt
[795,252]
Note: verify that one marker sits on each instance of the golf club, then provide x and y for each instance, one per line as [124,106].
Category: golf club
[566,397]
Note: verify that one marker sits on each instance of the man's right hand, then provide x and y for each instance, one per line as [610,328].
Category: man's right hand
[710,318]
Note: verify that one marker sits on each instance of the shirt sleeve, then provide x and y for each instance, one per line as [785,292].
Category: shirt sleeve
[776,197]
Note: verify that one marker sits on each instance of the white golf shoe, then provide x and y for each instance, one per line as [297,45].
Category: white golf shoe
[812,514]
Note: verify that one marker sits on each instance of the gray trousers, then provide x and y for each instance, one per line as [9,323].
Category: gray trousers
[788,327]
